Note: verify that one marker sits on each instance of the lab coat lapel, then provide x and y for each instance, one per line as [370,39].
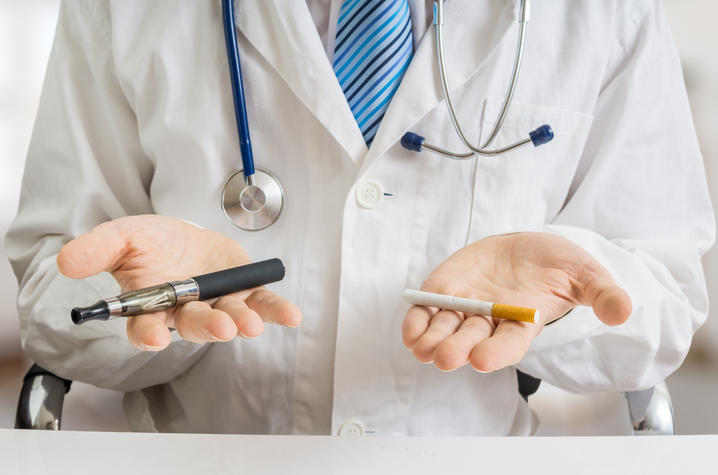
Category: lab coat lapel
[285,35]
[483,26]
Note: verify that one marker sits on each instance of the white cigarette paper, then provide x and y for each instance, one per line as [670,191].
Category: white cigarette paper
[477,307]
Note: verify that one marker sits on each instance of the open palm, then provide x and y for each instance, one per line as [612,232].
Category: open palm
[536,270]
[140,251]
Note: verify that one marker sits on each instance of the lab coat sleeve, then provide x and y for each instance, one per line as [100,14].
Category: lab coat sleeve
[84,166]
[639,204]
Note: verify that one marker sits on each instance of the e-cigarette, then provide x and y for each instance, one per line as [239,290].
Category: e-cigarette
[171,294]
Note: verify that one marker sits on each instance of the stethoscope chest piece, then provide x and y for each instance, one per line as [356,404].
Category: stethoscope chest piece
[252,206]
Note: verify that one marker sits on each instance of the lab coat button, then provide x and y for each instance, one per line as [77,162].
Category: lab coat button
[352,427]
[369,194]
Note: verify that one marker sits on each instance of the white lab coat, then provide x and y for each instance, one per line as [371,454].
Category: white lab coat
[136,117]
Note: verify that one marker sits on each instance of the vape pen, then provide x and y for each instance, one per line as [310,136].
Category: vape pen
[171,294]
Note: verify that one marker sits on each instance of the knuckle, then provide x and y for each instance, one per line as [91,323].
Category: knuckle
[229,301]
[438,285]
[261,295]
[479,322]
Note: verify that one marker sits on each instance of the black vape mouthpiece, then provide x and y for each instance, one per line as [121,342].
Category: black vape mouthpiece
[98,311]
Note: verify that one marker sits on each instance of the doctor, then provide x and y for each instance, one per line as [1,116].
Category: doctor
[135,137]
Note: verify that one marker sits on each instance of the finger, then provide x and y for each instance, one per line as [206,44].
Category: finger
[454,351]
[508,344]
[94,252]
[273,308]
[148,332]
[199,323]
[416,322]
[249,323]
[443,324]
[610,303]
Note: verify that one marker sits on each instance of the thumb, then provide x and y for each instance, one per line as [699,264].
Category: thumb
[94,252]
[610,303]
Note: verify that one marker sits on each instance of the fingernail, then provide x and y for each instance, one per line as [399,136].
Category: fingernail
[152,348]
[213,338]
[243,335]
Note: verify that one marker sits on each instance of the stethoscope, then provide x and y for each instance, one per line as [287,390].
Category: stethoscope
[253,199]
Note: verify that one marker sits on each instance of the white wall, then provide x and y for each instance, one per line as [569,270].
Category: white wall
[693,23]
[26,31]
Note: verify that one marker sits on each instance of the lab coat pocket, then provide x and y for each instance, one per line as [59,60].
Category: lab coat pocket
[525,188]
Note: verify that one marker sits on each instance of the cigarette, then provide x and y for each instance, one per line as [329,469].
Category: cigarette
[476,307]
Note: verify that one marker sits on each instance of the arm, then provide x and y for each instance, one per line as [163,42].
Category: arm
[628,241]
[86,175]
[640,206]
[84,166]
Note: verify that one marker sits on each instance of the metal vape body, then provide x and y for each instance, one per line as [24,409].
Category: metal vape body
[136,302]
[153,299]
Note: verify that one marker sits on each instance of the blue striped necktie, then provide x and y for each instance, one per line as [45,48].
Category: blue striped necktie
[372,50]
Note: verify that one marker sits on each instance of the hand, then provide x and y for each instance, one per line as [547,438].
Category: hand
[535,270]
[140,251]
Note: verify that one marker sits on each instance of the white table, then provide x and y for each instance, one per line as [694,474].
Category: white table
[40,452]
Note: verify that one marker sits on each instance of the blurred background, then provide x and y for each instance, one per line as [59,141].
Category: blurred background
[26,32]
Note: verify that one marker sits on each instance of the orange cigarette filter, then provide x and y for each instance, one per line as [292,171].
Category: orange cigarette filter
[511,312]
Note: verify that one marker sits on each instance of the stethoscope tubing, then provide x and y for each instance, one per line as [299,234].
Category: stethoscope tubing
[240,105]
[538,137]
[541,135]
[482,149]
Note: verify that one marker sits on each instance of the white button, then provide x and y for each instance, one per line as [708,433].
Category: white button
[369,194]
[352,427]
